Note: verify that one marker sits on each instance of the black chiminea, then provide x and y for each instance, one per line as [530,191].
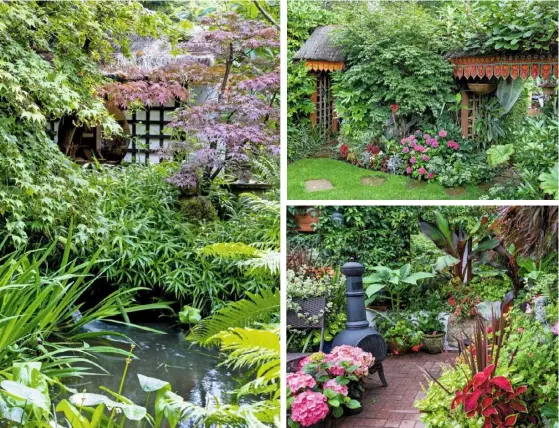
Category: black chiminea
[357,332]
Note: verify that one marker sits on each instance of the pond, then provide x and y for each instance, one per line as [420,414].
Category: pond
[192,371]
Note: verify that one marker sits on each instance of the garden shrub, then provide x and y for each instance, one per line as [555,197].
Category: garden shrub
[393,57]
[198,209]
[304,140]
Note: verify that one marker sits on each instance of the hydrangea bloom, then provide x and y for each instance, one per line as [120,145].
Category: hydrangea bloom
[430,175]
[354,355]
[299,381]
[406,149]
[413,160]
[303,361]
[426,136]
[555,328]
[308,408]
[336,370]
[335,386]
[453,145]
[442,133]
[408,170]
[421,171]
[435,144]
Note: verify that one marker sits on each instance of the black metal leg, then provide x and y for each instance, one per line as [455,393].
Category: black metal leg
[381,375]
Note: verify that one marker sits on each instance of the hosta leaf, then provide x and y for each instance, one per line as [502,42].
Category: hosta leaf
[498,155]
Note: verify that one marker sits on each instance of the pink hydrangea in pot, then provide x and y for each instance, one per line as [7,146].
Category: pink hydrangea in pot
[309,408]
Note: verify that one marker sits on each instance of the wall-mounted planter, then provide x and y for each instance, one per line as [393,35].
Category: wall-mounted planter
[482,88]
[306,222]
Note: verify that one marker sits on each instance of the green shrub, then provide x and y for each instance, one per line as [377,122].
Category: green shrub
[303,140]
[198,209]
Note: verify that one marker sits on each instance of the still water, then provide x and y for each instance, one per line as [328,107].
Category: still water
[192,371]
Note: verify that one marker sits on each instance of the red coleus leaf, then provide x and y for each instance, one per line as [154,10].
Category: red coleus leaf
[487,401]
[470,401]
[519,406]
[489,370]
[501,382]
[520,390]
[480,378]
[510,420]
[490,411]
[487,423]
[459,399]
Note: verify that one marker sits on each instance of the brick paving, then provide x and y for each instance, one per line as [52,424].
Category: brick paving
[393,406]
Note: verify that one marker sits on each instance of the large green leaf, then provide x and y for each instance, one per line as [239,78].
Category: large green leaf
[151,384]
[549,181]
[445,261]
[374,289]
[508,93]
[73,415]
[498,155]
[486,244]
[414,277]
[30,395]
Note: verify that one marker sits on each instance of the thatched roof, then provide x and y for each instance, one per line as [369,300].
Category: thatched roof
[150,54]
[319,46]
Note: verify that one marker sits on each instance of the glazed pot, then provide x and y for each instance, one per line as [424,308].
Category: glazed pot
[434,343]
[394,346]
[482,88]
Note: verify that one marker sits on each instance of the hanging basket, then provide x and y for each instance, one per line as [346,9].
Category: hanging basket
[482,88]
[434,344]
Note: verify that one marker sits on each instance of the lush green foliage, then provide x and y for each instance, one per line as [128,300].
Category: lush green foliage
[488,26]
[393,57]
[304,140]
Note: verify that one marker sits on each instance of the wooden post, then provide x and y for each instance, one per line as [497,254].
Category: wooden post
[314,98]
[464,113]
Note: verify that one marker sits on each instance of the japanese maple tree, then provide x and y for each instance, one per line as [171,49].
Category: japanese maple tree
[239,118]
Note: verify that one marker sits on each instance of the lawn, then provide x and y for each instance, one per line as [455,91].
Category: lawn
[346,180]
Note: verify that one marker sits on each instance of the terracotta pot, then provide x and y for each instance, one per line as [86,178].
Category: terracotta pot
[434,344]
[482,88]
[306,221]
[394,346]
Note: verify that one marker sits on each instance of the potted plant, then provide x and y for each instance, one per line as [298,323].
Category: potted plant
[323,386]
[306,218]
[433,333]
[401,335]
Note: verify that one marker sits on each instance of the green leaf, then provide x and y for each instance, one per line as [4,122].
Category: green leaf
[549,181]
[353,404]
[190,315]
[30,395]
[337,412]
[334,403]
[445,261]
[73,414]
[151,384]
[414,277]
[498,155]
[486,244]
[374,289]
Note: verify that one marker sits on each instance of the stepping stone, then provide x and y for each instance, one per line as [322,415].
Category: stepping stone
[485,186]
[372,181]
[455,191]
[416,184]
[318,185]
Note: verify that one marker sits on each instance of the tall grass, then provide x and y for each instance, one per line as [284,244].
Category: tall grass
[39,318]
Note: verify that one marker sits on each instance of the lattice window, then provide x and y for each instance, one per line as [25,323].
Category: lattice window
[474,102]
[324,101]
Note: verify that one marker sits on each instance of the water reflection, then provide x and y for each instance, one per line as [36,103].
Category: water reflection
[192,371]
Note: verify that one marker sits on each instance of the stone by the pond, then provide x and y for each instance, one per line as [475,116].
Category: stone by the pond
[455,191]
[372,181]
[318,185]
[416,184]
[459,329]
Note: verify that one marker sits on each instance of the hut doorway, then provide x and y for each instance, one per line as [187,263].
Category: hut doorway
[324,115]
[84,144]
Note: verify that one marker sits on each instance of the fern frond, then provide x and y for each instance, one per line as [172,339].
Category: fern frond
[255,308]
[231,250]
[248,347]
[267,262]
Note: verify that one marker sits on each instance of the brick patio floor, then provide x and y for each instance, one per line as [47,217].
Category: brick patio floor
[393,406]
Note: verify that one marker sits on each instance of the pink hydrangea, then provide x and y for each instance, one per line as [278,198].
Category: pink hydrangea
[430,175]
[555,328]
[406,149]
[426,136]
[414,141]
[335,386]
[435,144]
[354,355]
[408,170]
[303,361]
[403,142]
[453,145]
[336,370]
[413,160]
[420,149]
[425,158]
[299,381]
[442,133]
[309,408]
[421,171]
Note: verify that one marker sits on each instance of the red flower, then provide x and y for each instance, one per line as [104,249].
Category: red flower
[416,348]
[344,151]
[394,108]
[489,329]
[395,352]
[373,149]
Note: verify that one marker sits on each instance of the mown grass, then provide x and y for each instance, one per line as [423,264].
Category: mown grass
[346,180]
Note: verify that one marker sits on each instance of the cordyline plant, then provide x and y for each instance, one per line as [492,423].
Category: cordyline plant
[239,120]
[459,244]
[486,394]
